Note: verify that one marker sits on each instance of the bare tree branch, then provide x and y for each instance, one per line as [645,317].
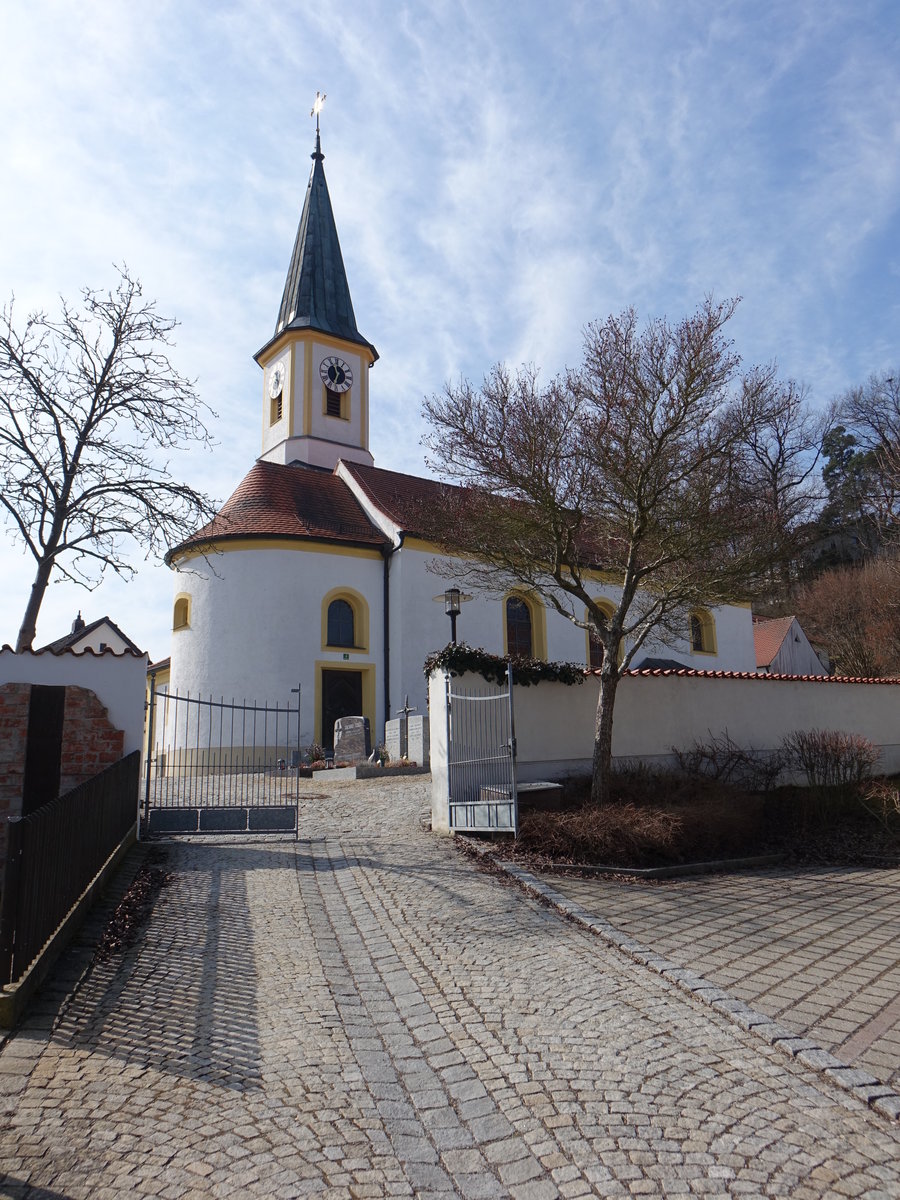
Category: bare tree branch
[86,403]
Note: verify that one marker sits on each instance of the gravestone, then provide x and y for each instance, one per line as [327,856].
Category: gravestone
[394,739]
[352,743]
[418,750]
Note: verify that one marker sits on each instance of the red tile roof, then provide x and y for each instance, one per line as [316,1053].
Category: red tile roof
[768,636]
[405,499]
[758,676]
[294,501]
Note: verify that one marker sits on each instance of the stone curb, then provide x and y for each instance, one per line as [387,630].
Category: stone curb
[865,1087]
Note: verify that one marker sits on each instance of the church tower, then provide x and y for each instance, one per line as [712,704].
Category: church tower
[316,366]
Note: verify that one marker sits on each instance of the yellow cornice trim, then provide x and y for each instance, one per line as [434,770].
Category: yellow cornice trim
[288,542]
[291,336]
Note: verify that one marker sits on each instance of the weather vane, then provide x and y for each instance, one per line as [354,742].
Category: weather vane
[317,108]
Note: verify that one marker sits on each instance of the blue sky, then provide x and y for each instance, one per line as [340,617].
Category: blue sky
[501,174]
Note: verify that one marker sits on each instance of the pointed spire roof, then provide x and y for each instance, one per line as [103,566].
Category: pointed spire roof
[316,292]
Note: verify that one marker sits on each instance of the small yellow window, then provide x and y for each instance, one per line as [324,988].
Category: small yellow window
[181,618]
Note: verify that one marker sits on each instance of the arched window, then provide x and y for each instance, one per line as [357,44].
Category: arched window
[595,648]
[340,624]
[519,640]
[703,632]
[181,616]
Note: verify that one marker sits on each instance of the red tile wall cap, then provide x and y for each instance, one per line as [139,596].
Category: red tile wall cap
[77,654]
[689,672]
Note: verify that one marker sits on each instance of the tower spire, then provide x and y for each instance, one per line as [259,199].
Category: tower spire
[316,293]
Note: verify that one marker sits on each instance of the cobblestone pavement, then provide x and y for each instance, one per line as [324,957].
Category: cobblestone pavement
[817,949]
[366,1013]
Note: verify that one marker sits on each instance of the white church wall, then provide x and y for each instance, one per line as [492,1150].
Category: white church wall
[555,723]
[255,626]
[420,626]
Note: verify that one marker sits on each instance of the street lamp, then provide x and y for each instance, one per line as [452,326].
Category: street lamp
[451,608]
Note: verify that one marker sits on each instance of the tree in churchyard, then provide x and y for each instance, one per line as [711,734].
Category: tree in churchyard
[635,465]
[871,414]
[782,450]
[89,406]
[854,612]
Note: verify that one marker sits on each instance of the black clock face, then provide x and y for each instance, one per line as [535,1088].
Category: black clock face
[336,374]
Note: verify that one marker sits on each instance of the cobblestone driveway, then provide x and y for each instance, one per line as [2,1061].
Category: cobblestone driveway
[366,1013]
[816,949]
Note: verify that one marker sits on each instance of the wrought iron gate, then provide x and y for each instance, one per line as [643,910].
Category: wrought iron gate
[481,746]
[220,766]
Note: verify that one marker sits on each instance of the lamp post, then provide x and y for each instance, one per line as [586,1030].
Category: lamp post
[452,600]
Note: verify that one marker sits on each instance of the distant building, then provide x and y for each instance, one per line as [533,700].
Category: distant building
[782,648]
[100,635]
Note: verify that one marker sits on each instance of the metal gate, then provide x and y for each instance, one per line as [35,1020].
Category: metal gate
[220,766]
[481,746]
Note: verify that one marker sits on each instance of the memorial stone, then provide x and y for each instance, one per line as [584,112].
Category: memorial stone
[352,743]
[418,750]
[393,739]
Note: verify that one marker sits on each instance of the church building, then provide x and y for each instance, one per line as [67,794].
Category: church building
[316,571]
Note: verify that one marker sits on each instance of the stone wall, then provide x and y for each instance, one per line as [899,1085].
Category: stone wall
[14,700]
[90,744]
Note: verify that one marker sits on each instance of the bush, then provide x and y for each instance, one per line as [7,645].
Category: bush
[723,760]
[881,799]
[830,758]
[313,753]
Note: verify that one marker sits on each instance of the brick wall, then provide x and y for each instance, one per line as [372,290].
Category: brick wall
[14,699]
[90,744]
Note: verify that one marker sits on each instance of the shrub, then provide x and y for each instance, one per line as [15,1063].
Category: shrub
[313,753]
[881,799]
[723,760]
[614,834]
[830,758]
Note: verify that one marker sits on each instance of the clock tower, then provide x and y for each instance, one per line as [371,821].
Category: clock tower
[316,366]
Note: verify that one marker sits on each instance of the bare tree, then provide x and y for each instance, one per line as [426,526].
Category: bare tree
[854,611]
[87,402]
[632,468]
[782,448]
[872,414]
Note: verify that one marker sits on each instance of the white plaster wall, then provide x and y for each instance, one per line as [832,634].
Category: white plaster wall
[419,626]
[256,627]
[555,723]
[118,680]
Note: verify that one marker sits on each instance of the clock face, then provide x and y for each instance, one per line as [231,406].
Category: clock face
[336,374]
[276,380]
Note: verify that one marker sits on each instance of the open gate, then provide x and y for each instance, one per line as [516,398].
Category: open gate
[220,766]
[481,745]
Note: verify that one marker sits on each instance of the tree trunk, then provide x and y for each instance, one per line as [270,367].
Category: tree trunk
[603,730]
[28,631]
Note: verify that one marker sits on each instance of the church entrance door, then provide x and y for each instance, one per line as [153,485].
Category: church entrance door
[342,696]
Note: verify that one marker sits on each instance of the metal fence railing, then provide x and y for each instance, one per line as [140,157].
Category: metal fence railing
[55,852]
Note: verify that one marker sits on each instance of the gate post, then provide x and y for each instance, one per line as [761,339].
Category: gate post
[151,719]
[439,711]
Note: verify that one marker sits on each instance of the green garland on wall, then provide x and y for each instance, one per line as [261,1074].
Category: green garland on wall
[460,659]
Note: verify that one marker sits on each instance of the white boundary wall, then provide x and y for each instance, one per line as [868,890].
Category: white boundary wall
[555,723]
[118,680]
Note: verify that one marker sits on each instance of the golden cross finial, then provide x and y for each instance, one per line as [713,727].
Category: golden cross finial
[317,108]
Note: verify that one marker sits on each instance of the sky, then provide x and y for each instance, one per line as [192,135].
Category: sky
[501,174]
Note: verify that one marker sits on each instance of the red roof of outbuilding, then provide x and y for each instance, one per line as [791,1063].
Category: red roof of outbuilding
[294,501]
[768,635]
